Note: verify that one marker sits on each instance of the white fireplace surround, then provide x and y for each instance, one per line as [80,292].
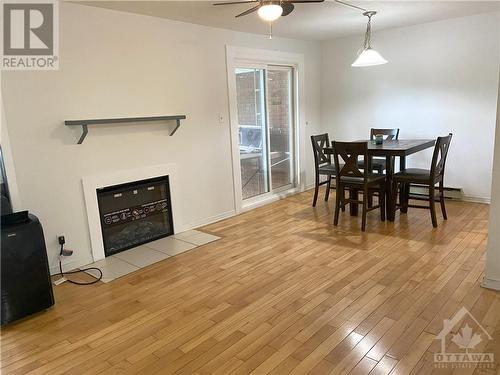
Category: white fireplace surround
[94,182]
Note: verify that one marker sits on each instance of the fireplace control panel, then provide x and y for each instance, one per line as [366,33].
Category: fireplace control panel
[135,213]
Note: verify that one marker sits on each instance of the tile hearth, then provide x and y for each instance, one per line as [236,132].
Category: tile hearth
[128,261]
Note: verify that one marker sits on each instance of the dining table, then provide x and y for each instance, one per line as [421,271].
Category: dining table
[389,149]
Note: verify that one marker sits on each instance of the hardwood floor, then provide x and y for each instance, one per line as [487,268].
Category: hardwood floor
[283,292]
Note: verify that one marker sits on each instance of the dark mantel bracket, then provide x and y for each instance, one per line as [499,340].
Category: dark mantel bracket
[84,123]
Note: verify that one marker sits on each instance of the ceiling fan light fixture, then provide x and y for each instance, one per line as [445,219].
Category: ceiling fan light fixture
[369,57]
[270,12]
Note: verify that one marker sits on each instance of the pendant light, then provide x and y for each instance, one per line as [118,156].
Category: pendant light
[368,56]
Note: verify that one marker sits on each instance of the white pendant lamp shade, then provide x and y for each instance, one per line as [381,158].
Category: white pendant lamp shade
[270,12]
[369,57]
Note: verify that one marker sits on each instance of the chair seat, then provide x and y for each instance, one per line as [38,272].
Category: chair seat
[327,169]
[377,164]
[372,178]
[415,175]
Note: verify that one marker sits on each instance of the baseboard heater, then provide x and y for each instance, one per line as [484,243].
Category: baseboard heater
[422,193]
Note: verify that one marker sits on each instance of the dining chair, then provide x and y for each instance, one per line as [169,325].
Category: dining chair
[350,176]
[322,165]
[379,163]
[424,177]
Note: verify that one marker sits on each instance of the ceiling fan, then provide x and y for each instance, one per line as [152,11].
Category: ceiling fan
[270,10]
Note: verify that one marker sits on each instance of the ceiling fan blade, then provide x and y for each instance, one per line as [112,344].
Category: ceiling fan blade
[287,9]
[251,10]
[237,2]
[305,1]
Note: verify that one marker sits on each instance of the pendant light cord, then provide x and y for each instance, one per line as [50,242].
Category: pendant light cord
[367,13]
[368,33]
[352,6]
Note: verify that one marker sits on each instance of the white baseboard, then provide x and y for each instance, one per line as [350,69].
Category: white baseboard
[209,220]
[490,284]
[468,198]
[271,199]
[309,187]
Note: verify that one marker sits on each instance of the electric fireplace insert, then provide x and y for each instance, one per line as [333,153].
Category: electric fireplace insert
[135,213]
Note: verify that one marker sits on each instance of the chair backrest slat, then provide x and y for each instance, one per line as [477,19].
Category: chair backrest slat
[319,142]
[440,154]
[389,134]
[348,153]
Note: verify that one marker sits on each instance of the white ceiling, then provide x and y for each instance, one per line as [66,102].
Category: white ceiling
[320,21]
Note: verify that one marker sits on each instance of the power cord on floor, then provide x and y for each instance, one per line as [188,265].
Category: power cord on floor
[69,252]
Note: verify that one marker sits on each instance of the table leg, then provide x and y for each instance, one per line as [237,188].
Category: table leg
[388,189]
[353,207]
[369,166]
[402,163]
[404,187]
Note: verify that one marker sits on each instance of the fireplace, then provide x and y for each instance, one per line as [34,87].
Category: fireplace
[134,213]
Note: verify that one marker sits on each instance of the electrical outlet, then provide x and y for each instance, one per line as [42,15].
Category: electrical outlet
[61,240]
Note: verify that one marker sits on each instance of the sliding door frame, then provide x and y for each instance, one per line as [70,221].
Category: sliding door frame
[240,57]
[293,153]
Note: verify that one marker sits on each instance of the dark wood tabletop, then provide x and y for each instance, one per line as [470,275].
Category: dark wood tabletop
[402,147]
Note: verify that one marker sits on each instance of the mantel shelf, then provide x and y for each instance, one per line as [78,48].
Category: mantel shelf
[85,123]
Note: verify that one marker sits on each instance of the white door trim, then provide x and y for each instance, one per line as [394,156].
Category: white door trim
[235,57]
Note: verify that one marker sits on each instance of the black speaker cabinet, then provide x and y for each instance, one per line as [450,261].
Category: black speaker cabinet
[26,286]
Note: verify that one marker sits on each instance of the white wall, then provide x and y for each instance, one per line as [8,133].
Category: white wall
[115,64]
[492,276]
[441,77]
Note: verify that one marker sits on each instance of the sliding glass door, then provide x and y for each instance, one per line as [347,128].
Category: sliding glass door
[264,97]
